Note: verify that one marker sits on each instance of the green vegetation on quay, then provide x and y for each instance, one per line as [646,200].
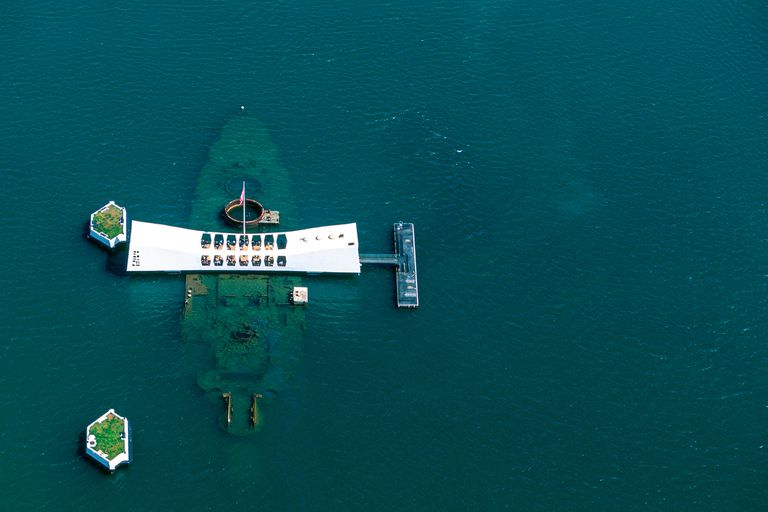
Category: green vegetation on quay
[109,436]
[107,221]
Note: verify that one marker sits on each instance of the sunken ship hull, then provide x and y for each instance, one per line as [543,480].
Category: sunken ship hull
[249,333]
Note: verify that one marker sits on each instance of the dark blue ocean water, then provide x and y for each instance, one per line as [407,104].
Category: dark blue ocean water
[588,187]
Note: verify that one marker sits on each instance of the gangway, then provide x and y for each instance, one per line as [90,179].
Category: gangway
[379,259]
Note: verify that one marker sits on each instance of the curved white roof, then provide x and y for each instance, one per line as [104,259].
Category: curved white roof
[162,248]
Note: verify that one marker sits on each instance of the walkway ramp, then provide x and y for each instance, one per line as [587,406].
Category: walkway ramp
[378,259]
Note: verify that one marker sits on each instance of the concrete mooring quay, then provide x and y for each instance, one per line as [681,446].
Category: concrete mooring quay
[404,260]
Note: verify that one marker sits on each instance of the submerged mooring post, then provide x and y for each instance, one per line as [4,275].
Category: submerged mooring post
[228,399]
[255,409]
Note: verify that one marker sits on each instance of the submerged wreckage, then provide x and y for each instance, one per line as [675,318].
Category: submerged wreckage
[244,292]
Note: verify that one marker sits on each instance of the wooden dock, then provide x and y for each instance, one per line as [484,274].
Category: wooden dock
[404,261]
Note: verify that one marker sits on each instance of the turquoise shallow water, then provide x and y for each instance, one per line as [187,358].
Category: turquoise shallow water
[587,184]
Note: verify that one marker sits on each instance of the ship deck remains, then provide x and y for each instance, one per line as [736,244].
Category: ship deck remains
[163,248]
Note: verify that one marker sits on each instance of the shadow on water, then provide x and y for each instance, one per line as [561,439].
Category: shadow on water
[80,451]
[116,259]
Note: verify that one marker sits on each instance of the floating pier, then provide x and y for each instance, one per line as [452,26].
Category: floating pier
[404,259]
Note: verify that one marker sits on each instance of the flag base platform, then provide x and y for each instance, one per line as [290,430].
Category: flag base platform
[253,215]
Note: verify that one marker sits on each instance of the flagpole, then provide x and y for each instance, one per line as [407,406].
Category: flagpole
[243,206]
